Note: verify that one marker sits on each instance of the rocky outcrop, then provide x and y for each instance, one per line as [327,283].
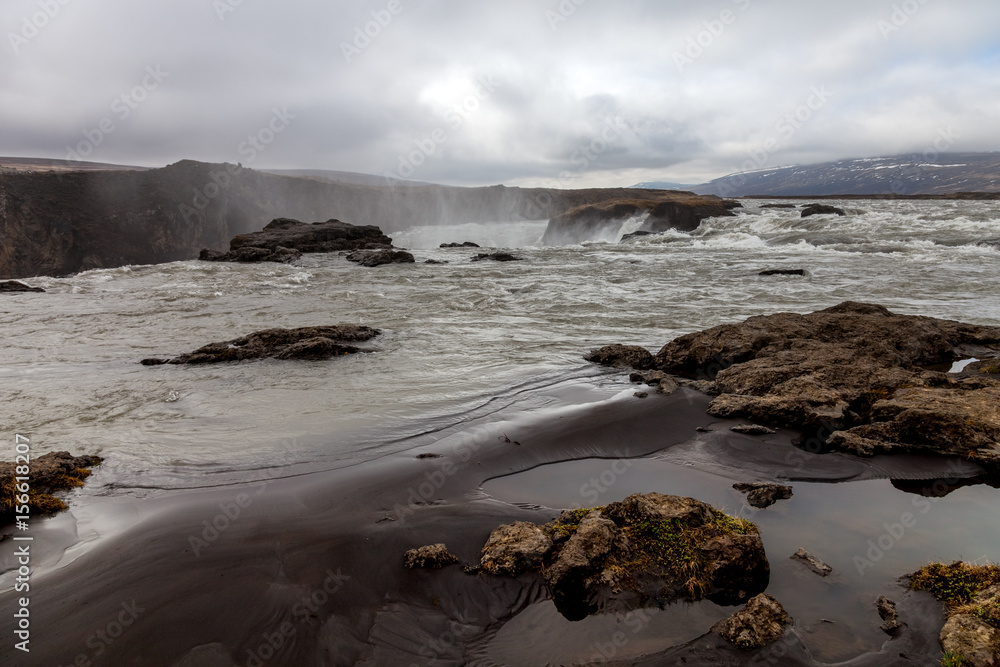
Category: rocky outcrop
[284,240]
[856,371]
[682,211]
[49,473]
[379,257]
[651,547]
[434,556]
[762,621]
[975,640]
[17,286]
[306,343]
[764,494]
[821,209]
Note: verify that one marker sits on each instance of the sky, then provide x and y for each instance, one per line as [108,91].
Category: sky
[554,93]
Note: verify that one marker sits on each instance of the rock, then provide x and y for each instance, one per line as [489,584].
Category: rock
[764,494]
[635,235]
[622,355]
[977,642]
[641,394]
[887,611]
[497,257]
[760,622]
[434,261]
[856,371]
[812,562]
[430,557]
[682,211]
[661,548]
[782,272]
[777,205]
[380,257]
[49,473]
[821,209]
[667,385]
[984,366]
[17,286]
[576,571]
[515,548]
[307,343]
[284,240]
[467,244]
[752,429]
[651,378]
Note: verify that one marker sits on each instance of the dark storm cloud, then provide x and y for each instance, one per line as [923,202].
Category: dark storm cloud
[570,92]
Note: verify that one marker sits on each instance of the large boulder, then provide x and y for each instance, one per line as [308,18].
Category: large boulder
[821,209]
[379,257]
[650,548]
[284,240]
[305,343]
[855,370]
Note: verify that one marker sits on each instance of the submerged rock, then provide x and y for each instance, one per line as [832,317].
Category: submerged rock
[380,257]
[308,343]
[782,272]
[651,547]
[821,209]
[777,206]
[466,244]
[284,240]
[433,556]
[887,612]
[49,473]
[17,286]
[812,562]
[762,621]
[752,429]
[764,494]
[497,257]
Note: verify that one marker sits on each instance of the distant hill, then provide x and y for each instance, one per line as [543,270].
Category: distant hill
[903,174]
[45,164]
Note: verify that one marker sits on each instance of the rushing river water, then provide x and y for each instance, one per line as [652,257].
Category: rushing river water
[459,339]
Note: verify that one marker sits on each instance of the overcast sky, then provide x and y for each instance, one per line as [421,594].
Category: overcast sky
[522,92]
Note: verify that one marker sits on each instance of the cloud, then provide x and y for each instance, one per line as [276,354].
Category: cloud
[522,92]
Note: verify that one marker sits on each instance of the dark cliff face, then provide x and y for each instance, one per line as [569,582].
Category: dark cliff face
[62,223]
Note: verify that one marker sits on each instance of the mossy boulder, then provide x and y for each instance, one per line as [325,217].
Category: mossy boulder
[972,596]
[48,474]
[648,548]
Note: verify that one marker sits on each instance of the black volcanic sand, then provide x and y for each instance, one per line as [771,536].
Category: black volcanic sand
[313,564]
